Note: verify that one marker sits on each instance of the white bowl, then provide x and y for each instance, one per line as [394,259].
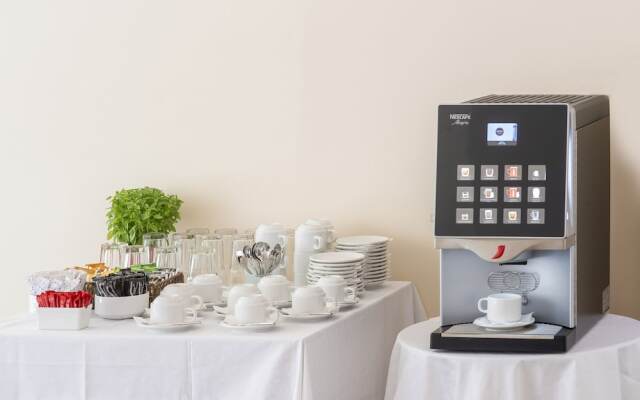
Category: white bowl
[54,318]
[121,307]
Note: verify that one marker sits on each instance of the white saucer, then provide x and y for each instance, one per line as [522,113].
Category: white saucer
[334,257]
[327,313]
[146,323]
[527,319]
[374,284]
[281,304]
[211,306]
[231,323]
[348,302]
[220,311]
[357,241]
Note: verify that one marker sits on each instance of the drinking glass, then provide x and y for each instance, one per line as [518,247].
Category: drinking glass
[185,244]
[197,234]
[213,244]
[200,264]
[173,236]
[167,258]
[250,233]
[110,254]
[153,241]
[226,231]
[133,255]
[198,231]
[227,235]
[286,268]
[237,271]
[243,235]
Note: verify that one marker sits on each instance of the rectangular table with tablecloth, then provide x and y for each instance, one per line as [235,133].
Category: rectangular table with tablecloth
[345,357]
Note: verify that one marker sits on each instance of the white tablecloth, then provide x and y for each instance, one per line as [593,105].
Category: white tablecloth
[345,357]
[603,365]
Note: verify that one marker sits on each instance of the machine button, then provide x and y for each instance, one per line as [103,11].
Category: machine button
[488,215]
[535,216]
[488,194]
[537,172]
[536,194]
[512,194]
[511,216]
[464,194]
[466,172]
[464,215]
[513,172]
[489,172]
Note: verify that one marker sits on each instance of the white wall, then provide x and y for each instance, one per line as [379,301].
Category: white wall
[259,111]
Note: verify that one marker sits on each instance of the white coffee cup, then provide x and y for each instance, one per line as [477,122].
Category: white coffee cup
[502,307]
[251,309]
[238,291]
[308,299]
[169,309]
[186,292]
[313,237]
[335,288]
[275,288]
[209,287]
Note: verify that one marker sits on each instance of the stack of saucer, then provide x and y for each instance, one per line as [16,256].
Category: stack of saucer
[377,268]
[346,264]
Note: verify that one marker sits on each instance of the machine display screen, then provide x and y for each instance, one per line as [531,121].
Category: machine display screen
[502,134]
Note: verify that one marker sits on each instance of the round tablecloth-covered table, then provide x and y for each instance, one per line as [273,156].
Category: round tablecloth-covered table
[603,365]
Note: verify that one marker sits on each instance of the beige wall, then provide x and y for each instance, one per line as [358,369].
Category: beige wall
[259,111]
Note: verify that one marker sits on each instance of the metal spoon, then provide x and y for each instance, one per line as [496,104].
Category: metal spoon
[259,250]
[246,250]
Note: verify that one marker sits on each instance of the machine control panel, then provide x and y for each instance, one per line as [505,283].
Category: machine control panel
[501,170]
[510,194]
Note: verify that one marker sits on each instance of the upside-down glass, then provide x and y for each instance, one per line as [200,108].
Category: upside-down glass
[153,241]
[197,234]
[226,231]
[167,258]
[198,231]
[173,236]
[185,244]
[227,243]
[133,255]
[110,254]
[200,264]
[237,269]
[213,244]
[250,233]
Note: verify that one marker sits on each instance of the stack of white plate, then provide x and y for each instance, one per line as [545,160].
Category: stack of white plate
[377,268]
[346,264]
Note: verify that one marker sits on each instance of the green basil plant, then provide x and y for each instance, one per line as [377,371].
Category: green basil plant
[134,212]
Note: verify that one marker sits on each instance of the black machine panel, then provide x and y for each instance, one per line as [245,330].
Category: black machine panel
[501,170]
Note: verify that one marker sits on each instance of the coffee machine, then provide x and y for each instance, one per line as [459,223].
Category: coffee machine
[522,206]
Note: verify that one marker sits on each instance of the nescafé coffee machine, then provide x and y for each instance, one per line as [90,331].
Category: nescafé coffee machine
[522,207]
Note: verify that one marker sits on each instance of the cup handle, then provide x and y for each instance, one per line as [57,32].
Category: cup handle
[349,291]
[317,242]
[199,303]
[273,309]
[482,310]
[191,314]
[331,237]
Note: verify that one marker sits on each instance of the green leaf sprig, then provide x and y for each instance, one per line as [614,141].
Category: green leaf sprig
[134,212]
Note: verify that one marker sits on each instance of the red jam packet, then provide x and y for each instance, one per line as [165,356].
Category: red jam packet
[55,299]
